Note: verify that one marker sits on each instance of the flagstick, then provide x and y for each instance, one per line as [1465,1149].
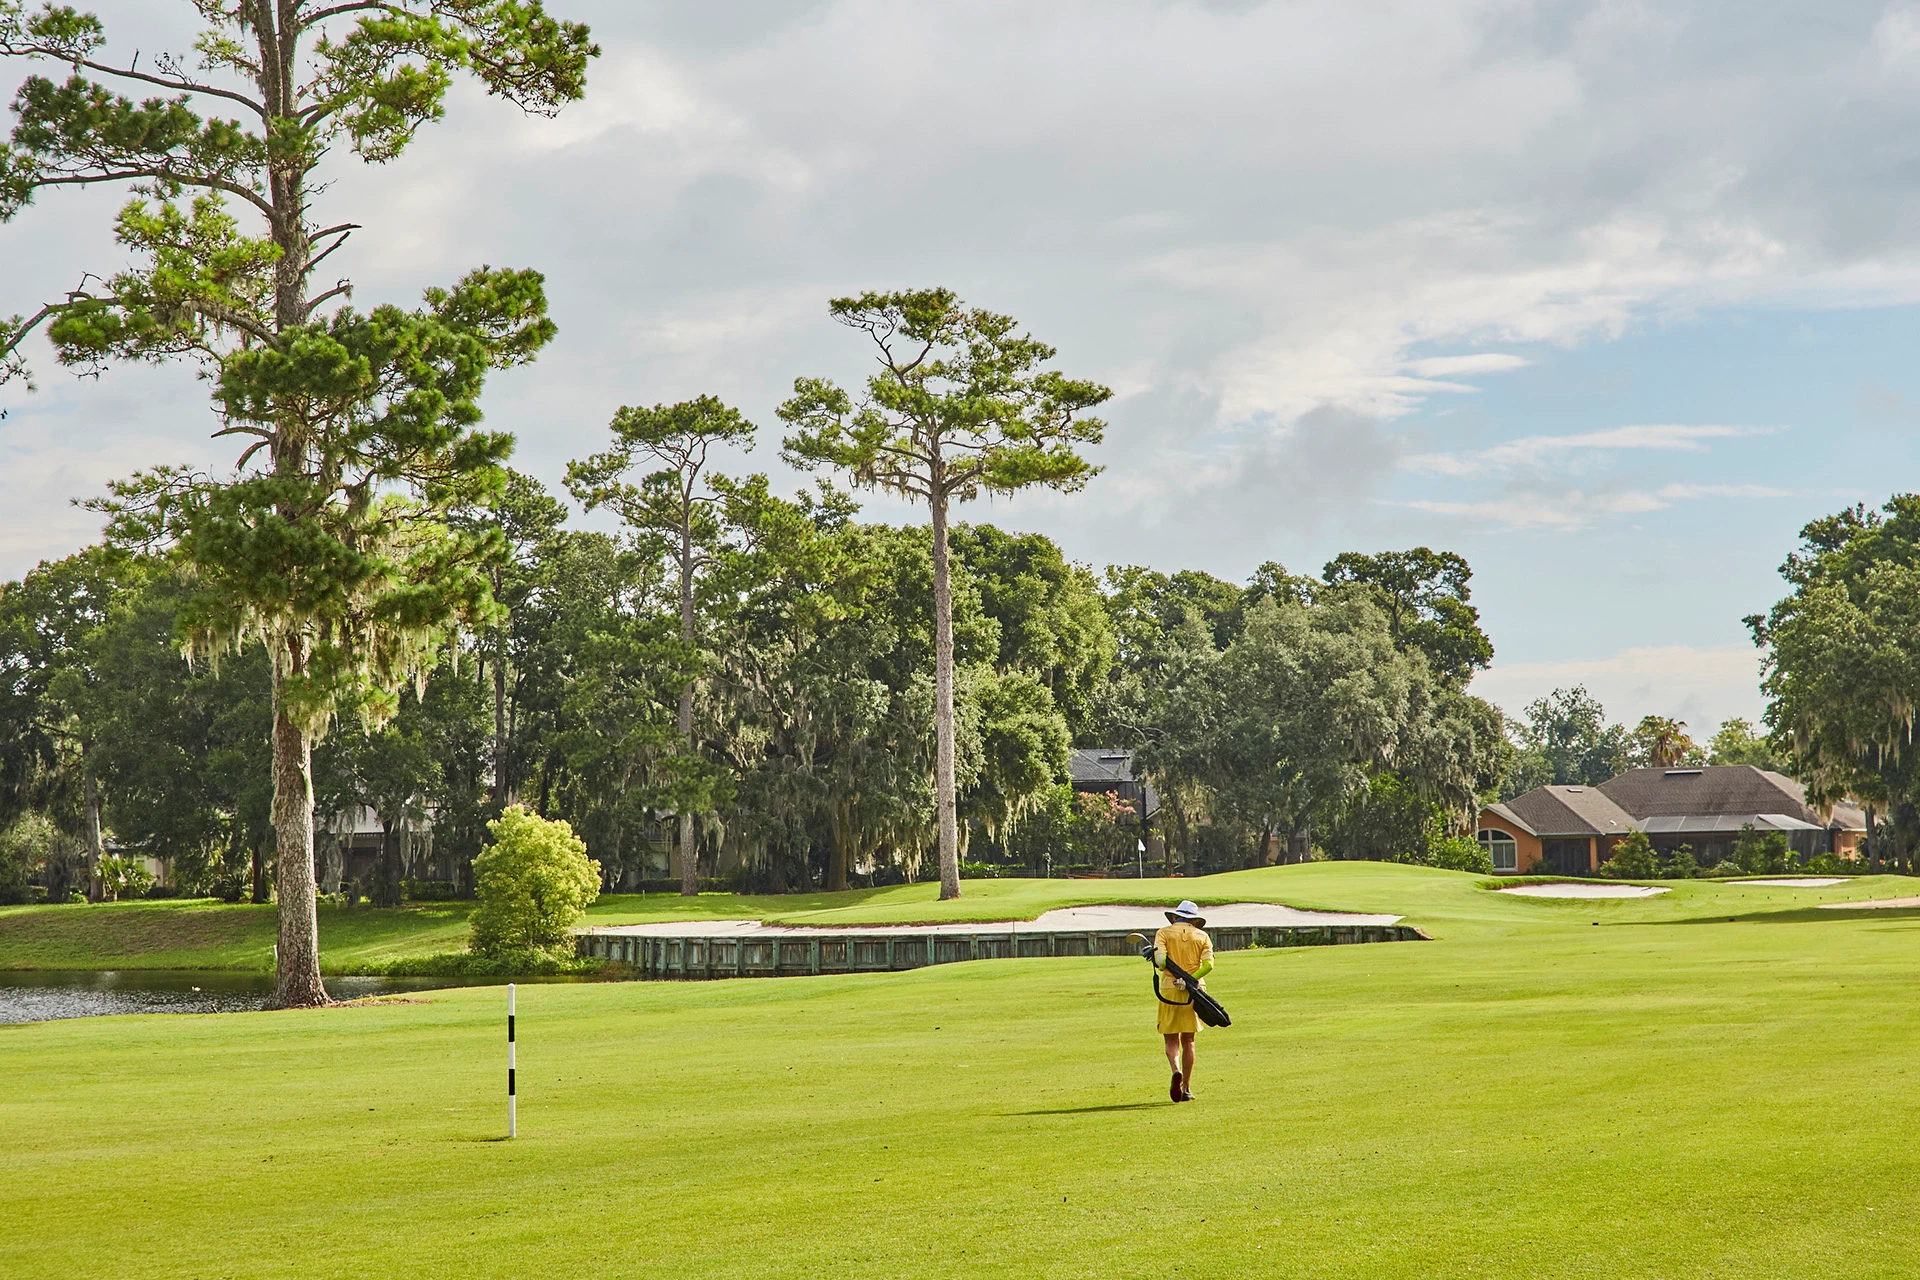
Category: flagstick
[512,1120]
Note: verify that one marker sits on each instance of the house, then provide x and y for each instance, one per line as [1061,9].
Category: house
[1566,830]
[1110,770]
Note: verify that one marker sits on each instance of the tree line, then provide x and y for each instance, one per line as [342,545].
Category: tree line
[778,701]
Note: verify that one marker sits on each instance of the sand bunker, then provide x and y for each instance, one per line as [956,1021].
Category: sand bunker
[1870,906]
[1583,890]
[1798,882]
[1068,919]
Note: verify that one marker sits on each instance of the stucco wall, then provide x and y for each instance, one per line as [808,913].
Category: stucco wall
[1526,847]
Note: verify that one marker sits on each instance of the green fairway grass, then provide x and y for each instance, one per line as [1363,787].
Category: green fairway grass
[1712,1083]
[208,935]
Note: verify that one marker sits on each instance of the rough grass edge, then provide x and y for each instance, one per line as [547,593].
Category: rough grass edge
[506,964]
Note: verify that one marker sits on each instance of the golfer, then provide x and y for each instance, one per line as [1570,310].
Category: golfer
[1189,947]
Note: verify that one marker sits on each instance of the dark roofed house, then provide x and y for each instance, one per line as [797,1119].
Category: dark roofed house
[1110,769]
[1566,829]
[1572,830]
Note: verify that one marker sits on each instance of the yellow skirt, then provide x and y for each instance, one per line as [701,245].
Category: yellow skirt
[1176,1018]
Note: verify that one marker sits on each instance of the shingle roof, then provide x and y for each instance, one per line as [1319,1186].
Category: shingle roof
[1511,819]
[1705,800]
[1101,764]
[1740,790]
[1848,817]
[1570,811]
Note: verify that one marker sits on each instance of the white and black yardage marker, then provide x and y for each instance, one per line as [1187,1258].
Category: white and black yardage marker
[512,1120]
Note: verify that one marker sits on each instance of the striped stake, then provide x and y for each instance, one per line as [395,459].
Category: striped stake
[512,1120]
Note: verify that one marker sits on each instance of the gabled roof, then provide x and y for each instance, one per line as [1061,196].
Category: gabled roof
[1569,811]
[1714,790]
[1510,819]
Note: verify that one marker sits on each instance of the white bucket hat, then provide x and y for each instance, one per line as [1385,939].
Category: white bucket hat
[1186,913]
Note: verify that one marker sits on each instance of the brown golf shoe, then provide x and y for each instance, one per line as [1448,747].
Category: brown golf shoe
[1174,1090]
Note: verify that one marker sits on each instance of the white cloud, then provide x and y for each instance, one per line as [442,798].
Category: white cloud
[1573,509]
[1702,686]
[1534,451]
[1461,366]
[1254,220]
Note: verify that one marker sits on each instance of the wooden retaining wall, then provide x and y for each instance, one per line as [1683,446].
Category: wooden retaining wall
[788,955]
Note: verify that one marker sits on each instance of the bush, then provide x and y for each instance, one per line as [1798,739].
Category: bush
[1762,855]
[1831,864]
[1633,859]
[534,883]
[122,877]
[1458,853]
[1679,864]
[508,963]
[429,890]
[23,847]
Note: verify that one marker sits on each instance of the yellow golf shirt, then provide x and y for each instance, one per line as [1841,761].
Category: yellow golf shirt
[1192,950]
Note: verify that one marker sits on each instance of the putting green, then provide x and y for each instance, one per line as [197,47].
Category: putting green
[1667,1094]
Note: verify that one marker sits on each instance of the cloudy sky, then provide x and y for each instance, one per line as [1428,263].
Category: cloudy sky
[1610,297]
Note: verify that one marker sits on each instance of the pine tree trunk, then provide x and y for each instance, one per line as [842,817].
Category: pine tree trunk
[1900,863]
[95,845]
[689,859]
[259,868]
[499,797]
[840,824]
[297,982]
[689,853]
[386,872]
[945,800]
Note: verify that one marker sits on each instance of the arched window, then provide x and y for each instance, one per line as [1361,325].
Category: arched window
[1501,847]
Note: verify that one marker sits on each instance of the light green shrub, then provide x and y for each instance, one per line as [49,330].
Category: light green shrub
[1458,853]
[534,883]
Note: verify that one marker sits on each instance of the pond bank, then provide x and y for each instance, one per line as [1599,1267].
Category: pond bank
[46,995]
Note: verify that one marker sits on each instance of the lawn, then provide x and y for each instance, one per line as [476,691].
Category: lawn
[171,934]
[1708,1084]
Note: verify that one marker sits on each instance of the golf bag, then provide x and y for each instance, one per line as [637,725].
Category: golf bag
[1209,1010]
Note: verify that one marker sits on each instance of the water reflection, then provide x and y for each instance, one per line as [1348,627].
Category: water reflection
[40,995]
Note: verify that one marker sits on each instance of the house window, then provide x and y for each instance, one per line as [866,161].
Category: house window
[1502,848]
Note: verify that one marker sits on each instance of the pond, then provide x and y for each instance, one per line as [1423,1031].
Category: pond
[40,995]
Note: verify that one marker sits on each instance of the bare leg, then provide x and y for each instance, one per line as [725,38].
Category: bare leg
[1173,1052]
[1186,1057]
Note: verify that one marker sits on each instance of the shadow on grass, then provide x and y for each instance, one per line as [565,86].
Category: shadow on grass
[1077,1111]
[1795,915]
